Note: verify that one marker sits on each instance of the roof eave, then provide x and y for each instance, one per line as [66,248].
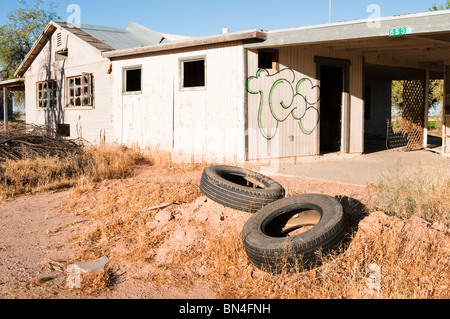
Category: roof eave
[421,23]
[215,39]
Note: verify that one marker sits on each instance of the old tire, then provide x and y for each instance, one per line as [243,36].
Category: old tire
[239,188]
[270,249]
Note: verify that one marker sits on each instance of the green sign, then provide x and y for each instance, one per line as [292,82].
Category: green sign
[400,31]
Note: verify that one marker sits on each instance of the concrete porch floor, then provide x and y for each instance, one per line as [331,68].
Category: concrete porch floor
[360,170]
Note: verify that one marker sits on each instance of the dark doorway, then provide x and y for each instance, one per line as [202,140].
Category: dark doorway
[332,88]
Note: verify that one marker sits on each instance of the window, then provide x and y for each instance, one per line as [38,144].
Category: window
[47,94]
[132,79]
[193,73]
[62,55]
[63,130]
[81,91]
[268,59]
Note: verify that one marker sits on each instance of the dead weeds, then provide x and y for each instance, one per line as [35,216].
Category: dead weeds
[196,240]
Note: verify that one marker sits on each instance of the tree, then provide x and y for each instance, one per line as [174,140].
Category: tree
[435,95]
[437,7]
[18,36]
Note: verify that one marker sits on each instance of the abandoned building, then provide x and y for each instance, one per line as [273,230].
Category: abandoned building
[239,96]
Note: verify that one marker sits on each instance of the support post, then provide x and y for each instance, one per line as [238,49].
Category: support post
[427,98]
[5,109]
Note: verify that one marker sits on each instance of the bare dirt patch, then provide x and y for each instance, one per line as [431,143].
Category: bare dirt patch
[191,249]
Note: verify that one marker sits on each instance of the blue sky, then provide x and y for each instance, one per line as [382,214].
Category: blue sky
[207,17]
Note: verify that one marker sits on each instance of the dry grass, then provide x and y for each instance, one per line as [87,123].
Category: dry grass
[117,203]
[33,175]
[409,270]
[419,192]
[122,211]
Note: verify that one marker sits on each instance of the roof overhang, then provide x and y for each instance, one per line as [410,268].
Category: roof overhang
[13,85]
[255,35]
[41,42]
[426,43]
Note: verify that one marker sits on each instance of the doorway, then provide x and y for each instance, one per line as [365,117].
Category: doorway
[332,89]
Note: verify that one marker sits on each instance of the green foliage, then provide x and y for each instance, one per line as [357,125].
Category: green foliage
[20,33]
[397,95]
[438,7]
[436,93]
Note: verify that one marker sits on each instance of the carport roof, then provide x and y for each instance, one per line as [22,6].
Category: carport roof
[424,44]
[13,85]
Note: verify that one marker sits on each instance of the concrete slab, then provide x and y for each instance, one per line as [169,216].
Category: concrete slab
[361,170]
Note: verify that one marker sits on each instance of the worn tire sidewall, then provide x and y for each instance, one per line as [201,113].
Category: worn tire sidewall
[331,214]
[215,174]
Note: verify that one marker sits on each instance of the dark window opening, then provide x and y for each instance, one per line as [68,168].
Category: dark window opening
[268,59]
[332,87]
[63,130]
[133,80]
[194,74]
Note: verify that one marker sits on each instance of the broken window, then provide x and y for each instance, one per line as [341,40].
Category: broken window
[47,94]
[81,90]
[62,55]
[132,79]
[193,73]
[268,59]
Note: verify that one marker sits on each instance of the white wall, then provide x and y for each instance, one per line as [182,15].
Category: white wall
[92,124]
[198,125]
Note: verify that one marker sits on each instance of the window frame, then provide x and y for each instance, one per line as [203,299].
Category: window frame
[62,55]
[52,98]
[81,86]
[124,78]
[274,53]
[182,61]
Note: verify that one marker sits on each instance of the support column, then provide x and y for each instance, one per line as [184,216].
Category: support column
[5,109]
[446,114]
[427,106]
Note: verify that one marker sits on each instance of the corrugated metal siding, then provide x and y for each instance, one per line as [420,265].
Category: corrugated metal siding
[294,138]
[205,124]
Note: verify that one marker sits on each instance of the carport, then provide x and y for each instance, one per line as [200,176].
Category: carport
[414,48]
[6,87]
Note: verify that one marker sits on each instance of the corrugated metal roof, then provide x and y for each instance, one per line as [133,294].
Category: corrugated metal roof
[133,36]
[116,38]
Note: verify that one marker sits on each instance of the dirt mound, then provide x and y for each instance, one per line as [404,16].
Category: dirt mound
[192,226]
[411,231]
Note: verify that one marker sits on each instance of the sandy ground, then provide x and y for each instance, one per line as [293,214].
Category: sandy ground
[36,248]
[36,245]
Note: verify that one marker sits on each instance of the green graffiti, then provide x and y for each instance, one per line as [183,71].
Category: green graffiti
[310,106]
